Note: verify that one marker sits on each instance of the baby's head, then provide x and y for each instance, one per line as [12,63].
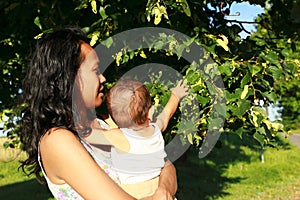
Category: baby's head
[129,103]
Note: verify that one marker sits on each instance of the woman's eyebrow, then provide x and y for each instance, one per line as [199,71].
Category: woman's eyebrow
[96,65]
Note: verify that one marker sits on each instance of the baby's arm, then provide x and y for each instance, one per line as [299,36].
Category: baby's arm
[113,137]
[164,117]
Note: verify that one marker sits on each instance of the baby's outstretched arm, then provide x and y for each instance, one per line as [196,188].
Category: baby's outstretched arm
[177,94]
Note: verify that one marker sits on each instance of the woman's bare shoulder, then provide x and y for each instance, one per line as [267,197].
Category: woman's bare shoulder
[60,150]
[56,137]
[58,144]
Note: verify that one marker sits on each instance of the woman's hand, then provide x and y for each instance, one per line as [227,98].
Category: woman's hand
[160,194]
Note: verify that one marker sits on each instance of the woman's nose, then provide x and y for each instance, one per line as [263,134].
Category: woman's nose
[102,78]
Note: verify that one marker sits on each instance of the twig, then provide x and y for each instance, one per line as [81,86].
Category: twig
[221,7]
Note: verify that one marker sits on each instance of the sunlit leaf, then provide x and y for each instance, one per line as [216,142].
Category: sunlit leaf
[95,37]
[142,54]
[190,138]
[223,42]
[245,92]
[94,6]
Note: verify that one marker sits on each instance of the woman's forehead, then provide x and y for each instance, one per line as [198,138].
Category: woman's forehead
[88,52]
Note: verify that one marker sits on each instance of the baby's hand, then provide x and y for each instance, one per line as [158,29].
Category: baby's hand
[180,90]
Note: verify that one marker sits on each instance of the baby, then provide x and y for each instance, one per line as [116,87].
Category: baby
[137,145]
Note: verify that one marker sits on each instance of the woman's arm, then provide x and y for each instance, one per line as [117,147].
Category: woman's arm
[65,160]
[168,178]
[167,184]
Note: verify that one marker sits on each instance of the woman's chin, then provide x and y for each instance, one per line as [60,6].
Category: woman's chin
[99,100]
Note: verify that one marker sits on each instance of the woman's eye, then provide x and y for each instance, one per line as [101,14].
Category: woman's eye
[98,72]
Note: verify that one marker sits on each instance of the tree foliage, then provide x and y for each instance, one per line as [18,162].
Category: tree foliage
[252,69]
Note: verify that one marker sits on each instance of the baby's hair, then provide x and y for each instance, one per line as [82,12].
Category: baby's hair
[128,103]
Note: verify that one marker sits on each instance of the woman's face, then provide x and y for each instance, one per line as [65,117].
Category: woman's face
[89,79]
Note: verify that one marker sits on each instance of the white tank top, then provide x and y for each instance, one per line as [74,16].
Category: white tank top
[144,160]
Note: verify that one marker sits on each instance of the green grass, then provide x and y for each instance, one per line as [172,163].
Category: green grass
[295,131]
[235,171]
[14,185]
[231,171]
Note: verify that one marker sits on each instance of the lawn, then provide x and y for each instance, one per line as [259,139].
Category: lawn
[232,170]
[14,185]
[295,131]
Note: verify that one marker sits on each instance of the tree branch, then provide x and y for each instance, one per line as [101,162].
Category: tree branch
[221,7]
[241,22]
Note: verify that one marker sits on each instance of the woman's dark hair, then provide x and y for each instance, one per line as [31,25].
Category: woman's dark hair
[47,90]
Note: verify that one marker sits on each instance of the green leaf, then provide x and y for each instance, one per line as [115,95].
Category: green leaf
[276,72]
[221,109]
[261,42]
[260,138]
[245,80]
[202,100]
[102,12]
[215,123]
[225,69]
[95,37]
[271,57]
[240,132]
[242,107]
[211,88]
[158,11]
[271,96]
[260,110]
[179,49]
[185,7]
[38,23]
[254,69]
[6,145]
[192,77]
[223,43]
[292,67]
[254,119]
[286,53]
[108,42]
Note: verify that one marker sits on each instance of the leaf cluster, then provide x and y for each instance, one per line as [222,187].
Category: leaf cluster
[254,70]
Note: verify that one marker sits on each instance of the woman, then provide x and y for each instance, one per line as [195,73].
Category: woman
[65,67]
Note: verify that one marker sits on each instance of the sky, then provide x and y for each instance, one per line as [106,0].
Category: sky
[247,13]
